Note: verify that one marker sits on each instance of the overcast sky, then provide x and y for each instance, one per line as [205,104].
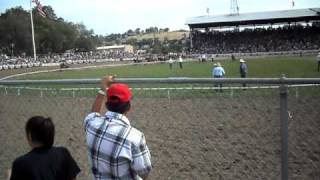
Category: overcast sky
[117,16]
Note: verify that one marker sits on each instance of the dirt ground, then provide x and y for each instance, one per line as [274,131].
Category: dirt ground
[189,138]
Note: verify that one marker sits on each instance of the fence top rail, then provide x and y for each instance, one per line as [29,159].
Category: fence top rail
[175,80]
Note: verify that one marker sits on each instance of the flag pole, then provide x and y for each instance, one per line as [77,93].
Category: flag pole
[32,31]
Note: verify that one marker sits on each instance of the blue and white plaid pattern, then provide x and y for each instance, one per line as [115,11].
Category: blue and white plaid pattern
[116,150]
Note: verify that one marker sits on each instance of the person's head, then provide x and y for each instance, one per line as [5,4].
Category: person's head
[242,61]
[40,131]
[218,64]
[118,98]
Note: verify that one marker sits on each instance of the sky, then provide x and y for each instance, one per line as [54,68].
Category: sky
[118,16]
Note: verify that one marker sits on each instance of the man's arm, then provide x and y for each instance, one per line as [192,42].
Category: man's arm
[8,174]
[100,99]
[144,177]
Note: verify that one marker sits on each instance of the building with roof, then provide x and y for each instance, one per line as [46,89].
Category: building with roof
[118,48]
[269,17]
[253,19]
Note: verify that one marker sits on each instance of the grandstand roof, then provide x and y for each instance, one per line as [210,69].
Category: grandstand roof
[269,17]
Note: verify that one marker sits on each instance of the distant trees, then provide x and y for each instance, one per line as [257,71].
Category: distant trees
[52,34]
[13,25]
[138,31]
[55,35]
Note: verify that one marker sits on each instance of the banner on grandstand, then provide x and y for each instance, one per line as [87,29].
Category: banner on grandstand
[39,8]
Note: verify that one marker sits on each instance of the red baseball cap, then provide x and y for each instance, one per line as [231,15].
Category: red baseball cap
[120,91]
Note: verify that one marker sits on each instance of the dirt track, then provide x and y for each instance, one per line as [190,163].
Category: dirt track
[199,138]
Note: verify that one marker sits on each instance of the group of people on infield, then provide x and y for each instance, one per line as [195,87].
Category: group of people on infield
[116,150]
[219,72]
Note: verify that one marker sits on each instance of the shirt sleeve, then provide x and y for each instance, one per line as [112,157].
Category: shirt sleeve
[90,117]
[72,168]
[141,162]
[16,174]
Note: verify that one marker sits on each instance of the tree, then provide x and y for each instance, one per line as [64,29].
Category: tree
[130,32]
[52,33]
[137,31]
[15,29]
[49,12]
[84,44]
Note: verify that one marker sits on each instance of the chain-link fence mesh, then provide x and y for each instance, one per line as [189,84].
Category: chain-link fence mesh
[304,132]
[193,132]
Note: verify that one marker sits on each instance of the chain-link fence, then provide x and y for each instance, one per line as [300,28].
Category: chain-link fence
[193,130]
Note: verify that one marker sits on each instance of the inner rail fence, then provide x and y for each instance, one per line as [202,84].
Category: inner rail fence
[281,83]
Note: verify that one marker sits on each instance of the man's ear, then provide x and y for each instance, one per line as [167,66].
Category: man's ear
[29,138]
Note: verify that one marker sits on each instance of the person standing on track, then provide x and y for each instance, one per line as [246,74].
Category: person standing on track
[218,72]
[243,70]
[180,62]
[116,149]
[170,63]
[318,59]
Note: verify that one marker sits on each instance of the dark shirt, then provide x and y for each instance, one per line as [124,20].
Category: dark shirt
[55,163]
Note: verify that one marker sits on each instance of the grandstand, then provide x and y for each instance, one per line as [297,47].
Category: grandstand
[274,31]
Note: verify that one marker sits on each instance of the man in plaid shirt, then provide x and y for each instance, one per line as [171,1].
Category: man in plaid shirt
[116,149]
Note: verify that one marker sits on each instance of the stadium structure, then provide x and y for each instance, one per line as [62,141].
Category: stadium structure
[285,30]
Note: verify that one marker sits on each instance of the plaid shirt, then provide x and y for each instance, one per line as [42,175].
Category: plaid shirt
[116,150]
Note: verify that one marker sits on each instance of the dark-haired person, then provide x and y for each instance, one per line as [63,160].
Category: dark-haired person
[116,149]
[318,60]
[43,162]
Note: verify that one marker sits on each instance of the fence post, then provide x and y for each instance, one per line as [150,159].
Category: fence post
[284,129]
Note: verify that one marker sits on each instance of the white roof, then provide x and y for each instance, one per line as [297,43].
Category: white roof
[110,47]
[256,16]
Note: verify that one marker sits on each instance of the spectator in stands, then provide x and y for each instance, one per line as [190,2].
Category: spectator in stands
[252,40]
[44,161]
[116,149]
[180,62]
[218,72]
[243,70]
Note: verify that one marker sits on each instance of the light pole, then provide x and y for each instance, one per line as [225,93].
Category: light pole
[12,46]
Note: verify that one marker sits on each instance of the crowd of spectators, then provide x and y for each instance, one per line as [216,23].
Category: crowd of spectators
[286,38]
[16,62]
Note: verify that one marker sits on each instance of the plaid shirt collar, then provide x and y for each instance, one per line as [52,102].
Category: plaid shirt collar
[113,116]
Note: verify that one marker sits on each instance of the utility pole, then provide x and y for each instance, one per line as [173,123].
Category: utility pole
[234,7]
[32,31]
[293,4]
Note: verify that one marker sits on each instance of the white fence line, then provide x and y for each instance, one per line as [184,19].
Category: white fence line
[162,88]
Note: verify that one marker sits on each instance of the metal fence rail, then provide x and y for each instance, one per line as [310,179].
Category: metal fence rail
[282,80]
[283,95]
